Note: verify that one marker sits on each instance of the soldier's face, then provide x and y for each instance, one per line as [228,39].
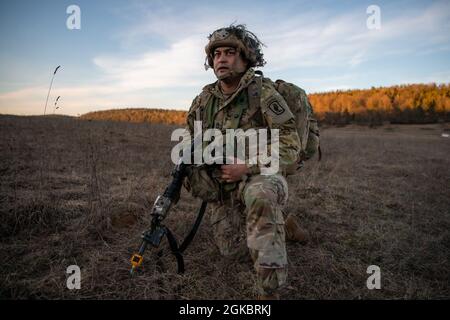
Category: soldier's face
[228,63]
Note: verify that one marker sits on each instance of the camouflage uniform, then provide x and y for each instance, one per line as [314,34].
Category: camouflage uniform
[249,215]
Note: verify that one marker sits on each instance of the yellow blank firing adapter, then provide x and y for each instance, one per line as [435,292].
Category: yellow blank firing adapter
[136,260]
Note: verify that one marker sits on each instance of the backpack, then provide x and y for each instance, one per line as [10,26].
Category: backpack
[298,103]
[307,125]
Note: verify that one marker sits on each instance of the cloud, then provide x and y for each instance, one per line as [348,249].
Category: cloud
[323,84]
[167,70]
[299,39]
[176,66]
[82,99]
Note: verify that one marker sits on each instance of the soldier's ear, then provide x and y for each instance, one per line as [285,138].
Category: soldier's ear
[244,59]
[248,64]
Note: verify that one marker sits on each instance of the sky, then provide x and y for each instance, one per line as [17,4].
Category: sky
[150,54]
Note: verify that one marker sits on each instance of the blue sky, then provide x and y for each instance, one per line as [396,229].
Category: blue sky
[150,53]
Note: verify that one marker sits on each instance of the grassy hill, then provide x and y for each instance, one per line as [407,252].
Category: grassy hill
[80,193]
[138,115]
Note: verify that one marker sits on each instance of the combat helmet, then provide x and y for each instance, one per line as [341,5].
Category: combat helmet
[239,37]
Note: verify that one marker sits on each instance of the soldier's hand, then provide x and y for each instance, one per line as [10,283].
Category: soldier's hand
[234,172]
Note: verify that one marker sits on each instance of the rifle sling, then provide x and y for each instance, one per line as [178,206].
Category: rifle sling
[195,227]
[175,251]
[178,250]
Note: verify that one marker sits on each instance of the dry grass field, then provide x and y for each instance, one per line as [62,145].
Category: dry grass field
[79,192]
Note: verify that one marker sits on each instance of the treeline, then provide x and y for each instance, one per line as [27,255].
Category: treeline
[416,103]
[139,115]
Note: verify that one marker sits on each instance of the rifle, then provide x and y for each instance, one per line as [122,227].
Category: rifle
[159,212]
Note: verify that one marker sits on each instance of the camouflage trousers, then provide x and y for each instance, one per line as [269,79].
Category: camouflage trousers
[251,222]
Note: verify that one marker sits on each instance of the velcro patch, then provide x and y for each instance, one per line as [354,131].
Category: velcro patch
[276,108]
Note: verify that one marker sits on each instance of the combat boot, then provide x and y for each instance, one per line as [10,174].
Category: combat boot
[293,230]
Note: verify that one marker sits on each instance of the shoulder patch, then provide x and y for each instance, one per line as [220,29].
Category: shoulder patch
[276,107]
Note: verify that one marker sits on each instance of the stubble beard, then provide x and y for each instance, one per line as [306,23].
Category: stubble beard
[232,75]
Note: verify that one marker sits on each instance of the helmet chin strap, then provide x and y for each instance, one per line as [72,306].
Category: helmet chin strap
[232,74]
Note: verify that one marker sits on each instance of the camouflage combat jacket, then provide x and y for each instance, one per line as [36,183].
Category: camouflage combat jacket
[245,109]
